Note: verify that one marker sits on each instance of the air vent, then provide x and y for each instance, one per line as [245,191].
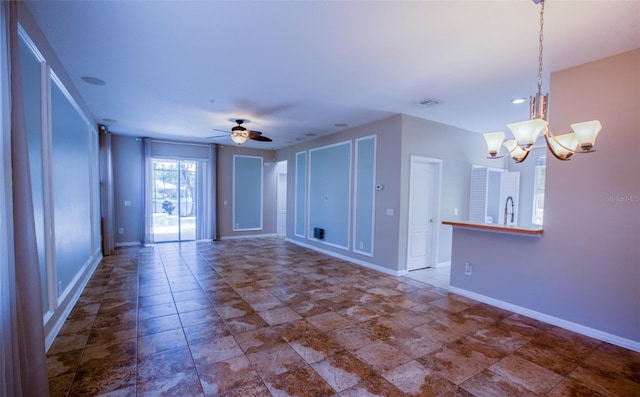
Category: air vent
[429,102]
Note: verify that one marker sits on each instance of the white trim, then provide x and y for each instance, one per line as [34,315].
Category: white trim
[129,244]
[342,247]
[442,264]
[349,259]
[373,196]
[435,239]
[233,194]
[24,36]
[304,193]
[248,236]
[349,199]
[54,77]
[47,190]
[279,190]
[559,322]
[71,302]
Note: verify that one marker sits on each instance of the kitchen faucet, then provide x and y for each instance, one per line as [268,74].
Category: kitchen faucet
[506,205]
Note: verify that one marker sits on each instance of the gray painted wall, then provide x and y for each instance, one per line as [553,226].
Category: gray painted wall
[458,149]
[74,187]
[399,137]
[584,269]
[225,191]
[387,173]
[127,179]
[128,176]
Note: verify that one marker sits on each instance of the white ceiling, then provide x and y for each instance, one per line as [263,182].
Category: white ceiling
[179,69]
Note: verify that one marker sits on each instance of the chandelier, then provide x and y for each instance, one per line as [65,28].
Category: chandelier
[525,133]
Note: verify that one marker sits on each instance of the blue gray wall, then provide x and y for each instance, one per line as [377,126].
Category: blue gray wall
[63,155]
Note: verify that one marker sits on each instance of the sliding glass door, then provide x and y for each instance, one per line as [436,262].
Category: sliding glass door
[175,200]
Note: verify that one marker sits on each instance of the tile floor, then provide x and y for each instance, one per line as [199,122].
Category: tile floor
[267,318]
[435,276]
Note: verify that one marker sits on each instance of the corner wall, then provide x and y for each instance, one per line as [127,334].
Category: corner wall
[458,149]
[128,166]
[584,272]
[387,173]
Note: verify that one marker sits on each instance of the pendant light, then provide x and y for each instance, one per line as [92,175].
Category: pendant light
[525,133]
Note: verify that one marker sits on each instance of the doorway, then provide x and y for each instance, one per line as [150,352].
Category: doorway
[174,200]
[424,205]
[281,201]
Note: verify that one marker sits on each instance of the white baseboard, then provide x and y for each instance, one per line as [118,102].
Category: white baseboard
[442,264]
[69,300]
[129,244]
[248,236]
[559,322]
[350,259]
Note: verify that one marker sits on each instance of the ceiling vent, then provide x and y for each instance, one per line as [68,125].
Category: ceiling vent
[429,102]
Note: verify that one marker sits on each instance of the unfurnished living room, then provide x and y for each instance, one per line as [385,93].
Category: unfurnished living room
[320,198]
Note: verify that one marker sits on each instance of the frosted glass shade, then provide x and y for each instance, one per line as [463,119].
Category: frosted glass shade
[494,142]
[239,137]
[516,152]
[526,132]
[563,146]
[587,133]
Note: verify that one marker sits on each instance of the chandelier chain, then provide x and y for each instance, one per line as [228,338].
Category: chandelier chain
[541,37]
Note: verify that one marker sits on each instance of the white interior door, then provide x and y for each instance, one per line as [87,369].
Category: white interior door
[282,204]
[423,209]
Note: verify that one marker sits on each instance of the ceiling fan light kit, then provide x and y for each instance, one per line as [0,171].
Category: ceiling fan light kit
[525,133]
[239,134]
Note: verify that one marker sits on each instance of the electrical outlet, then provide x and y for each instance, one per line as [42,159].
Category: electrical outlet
[467,268]
[121,230]
[361,245]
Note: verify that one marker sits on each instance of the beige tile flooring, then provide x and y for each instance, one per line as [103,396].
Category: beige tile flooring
[264,317]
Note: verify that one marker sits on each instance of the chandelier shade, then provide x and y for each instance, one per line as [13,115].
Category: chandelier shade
[518,154]
[563,146]
[587,132]
[494,142]
[526,133]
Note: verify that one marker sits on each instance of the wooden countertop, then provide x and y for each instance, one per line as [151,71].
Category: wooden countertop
[492,227]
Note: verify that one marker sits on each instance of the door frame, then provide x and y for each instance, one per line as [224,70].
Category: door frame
[432,256]
[281,206]
[199,169]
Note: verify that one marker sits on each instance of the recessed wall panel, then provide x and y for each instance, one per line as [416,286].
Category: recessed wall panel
[31,70]
[247,192]
[364,195]
[71,187]
[330,193]
[301,195]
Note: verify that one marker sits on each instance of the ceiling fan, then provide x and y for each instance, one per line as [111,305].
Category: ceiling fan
[239,134]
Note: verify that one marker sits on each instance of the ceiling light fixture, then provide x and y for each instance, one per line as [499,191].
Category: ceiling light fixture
[239,134]
[526,132]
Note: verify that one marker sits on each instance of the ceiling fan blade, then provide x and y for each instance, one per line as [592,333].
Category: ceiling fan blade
[255,133]
[260,138]
[217,129]
[217,136]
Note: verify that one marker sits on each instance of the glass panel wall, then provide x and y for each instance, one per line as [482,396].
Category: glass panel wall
[175,192]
